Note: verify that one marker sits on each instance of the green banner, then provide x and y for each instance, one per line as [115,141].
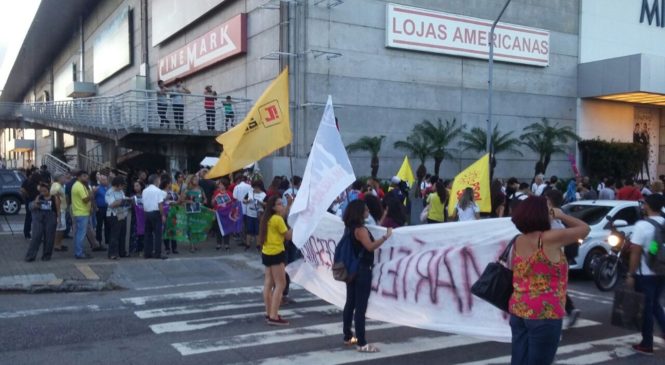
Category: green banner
[188,227]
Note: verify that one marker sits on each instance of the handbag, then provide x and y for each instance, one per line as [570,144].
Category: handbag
[628,309]
[424,214]
[495,284]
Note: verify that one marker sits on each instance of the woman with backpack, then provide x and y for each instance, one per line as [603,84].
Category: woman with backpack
[358,290]
[272,234]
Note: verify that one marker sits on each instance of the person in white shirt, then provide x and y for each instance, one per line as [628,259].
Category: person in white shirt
[241,190]
[607,193]
[467,209]
[642,278]
[115,217]
[153,198]
[292,191]
[255,206]
[539,185]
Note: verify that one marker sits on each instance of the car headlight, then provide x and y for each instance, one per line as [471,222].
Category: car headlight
[613,240]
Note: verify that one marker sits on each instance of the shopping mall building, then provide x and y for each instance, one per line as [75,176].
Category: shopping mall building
[595,65]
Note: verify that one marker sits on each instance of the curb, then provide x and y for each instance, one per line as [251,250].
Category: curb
[61,286]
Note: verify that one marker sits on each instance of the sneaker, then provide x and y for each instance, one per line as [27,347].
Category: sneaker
[278,322]
[643,350]
[572,318]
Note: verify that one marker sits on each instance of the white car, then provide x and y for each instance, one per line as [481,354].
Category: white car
[596,214]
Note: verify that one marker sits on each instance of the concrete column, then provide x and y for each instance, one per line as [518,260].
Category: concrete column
[111,153]
[81,150]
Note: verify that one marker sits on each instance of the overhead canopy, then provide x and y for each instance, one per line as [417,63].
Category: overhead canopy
[54,24]
[638,79]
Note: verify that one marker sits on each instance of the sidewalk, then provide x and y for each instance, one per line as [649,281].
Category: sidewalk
[64,273]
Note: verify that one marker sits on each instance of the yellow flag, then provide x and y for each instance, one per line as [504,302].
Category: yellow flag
[405,173]
[476,176]
[266,128]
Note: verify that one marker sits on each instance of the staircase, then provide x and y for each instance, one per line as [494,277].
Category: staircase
[55,165]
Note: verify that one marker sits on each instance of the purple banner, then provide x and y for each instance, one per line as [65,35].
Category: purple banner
[140,219]
[229,218]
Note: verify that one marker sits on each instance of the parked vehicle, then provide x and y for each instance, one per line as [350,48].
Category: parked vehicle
[10,191]
[614,265]
[599,214]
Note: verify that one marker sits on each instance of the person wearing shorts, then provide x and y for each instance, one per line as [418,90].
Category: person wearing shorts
[253,200]
[273,234]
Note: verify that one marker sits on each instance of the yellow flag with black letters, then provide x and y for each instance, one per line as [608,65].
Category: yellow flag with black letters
[266,128]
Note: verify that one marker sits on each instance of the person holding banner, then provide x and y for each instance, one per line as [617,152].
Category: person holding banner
[358,290]
[137,227]
[273,234]
[194,198]
[221,198]
[540,276]
[253,200]
[170,245]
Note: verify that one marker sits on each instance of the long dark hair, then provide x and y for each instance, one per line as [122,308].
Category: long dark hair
[354,215]
[374,206]
[395,210]
[267,214]
[441,191]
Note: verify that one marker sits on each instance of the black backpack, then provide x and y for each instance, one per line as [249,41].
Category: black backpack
[656,261]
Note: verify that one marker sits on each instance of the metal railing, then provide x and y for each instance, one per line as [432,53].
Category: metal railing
[134,110]
[55,165]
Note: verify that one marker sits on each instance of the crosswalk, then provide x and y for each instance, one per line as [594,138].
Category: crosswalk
[229,323]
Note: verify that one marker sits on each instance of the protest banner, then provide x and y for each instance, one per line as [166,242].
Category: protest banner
[422,275]
[229,218]
[188,227]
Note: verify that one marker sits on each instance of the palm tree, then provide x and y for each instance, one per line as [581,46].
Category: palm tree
[476,140]
[371,145]
[546,140]
[416,145]
[438,137]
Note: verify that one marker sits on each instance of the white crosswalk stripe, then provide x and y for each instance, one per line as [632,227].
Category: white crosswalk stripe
[200,312]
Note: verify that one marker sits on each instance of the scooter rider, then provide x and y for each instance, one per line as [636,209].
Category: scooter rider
[642,278]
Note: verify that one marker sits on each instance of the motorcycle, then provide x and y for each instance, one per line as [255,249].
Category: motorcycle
[614,265]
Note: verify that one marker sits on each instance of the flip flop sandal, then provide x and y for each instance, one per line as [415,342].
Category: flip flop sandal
[351,342]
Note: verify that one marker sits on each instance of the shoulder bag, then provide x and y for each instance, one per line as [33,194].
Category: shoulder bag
[495,285]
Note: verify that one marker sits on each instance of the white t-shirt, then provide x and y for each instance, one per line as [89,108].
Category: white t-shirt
[643,234]
[152,196]
[254,207]
[537,190]
[468,214]
[239,193]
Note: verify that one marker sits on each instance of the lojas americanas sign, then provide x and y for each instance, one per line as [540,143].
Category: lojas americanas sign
[222,42]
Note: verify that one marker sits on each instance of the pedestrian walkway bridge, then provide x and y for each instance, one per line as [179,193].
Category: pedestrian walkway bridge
[131,114]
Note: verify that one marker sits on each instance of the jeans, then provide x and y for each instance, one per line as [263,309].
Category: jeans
[178,115]
[153,235]
[161,110]
[652,287]
[357,296]
[81,230]
[43,230]
[101,226]
[116,244]
[534,340]
[210,118]
[27,224]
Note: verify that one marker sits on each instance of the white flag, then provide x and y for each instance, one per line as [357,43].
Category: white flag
[327,174]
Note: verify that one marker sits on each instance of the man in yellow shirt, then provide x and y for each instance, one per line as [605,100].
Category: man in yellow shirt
[58,191]
[81,209]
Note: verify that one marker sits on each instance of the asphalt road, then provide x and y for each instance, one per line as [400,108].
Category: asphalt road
[214,315]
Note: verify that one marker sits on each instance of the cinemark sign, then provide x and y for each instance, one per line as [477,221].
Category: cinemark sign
[437,32]
[222,42]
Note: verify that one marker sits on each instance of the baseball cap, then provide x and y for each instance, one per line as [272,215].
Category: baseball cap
[395,180]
